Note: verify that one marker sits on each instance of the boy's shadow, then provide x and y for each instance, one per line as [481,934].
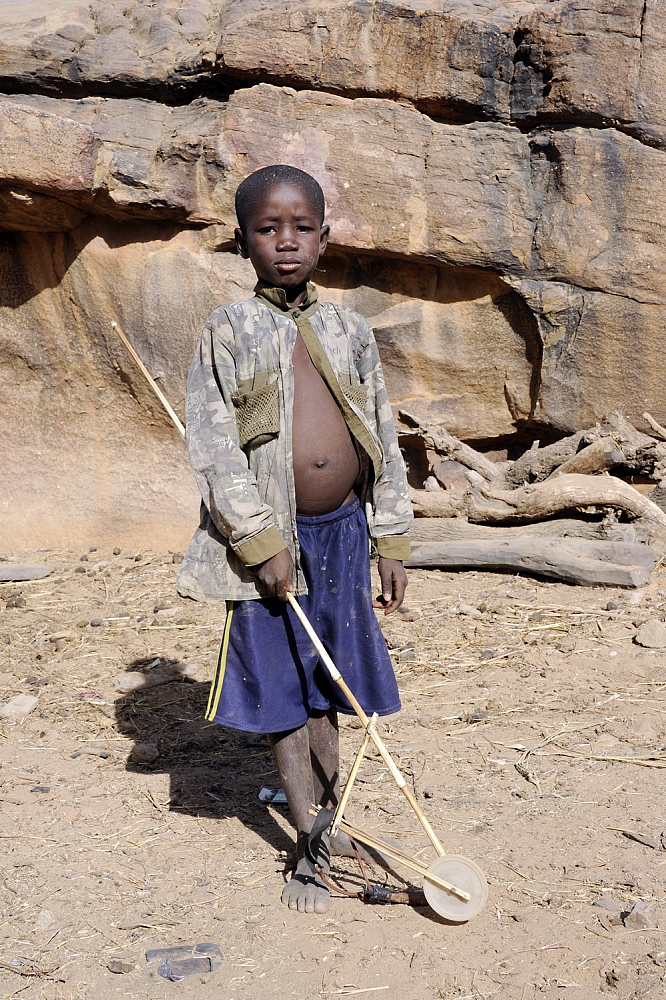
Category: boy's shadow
[214,772]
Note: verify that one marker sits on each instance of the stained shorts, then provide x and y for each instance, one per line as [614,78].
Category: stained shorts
[269,678]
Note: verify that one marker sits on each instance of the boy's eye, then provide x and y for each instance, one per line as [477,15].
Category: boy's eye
[304,229]
[268,229]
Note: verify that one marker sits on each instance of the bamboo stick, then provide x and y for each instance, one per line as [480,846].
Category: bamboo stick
[335,825]
[151,381]
[377,740]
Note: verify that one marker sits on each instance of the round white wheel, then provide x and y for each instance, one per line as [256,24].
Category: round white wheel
[463,874]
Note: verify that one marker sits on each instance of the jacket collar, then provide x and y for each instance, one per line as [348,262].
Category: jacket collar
[276,299]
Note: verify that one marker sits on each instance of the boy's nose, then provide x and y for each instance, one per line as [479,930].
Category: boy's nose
[286,239]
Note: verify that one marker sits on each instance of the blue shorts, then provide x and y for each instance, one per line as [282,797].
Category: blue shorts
[269,678]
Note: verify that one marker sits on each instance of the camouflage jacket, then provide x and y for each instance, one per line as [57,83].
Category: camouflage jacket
[240,394]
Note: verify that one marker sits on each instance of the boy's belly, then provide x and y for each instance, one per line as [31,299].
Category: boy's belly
[325,460]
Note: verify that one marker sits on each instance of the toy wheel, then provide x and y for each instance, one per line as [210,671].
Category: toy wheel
[464,874]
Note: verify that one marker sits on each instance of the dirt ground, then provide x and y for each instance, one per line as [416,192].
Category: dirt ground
[103,858]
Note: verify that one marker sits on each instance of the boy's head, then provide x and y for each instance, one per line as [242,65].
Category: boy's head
[280,211]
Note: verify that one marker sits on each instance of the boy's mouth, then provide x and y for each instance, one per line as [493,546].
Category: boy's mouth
[287,266]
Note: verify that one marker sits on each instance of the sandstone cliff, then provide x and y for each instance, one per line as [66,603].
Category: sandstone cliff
[494,175]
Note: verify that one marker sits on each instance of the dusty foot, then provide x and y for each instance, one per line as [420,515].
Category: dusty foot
[306,892]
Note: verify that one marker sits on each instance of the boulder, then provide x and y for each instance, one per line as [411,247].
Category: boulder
[495,188]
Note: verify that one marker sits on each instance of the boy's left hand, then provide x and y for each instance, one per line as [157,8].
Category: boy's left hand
[394,583]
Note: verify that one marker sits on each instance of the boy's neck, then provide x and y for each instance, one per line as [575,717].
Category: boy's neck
[292,298]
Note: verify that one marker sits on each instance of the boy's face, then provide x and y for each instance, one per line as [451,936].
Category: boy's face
[284,238]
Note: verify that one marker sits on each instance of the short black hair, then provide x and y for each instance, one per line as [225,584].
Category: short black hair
[253,187]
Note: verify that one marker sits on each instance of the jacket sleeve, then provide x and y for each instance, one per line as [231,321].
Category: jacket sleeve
[228,488]
[392,507]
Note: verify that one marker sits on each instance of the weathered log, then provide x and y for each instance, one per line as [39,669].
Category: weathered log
[601,455]
[540,501]
[15,573]
[579,562]
[538,463]
[656,427]
[457,529]
[436,437]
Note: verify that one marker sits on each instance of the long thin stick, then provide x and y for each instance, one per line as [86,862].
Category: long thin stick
[404,859]
[344,798]
[377,740]
[151,381]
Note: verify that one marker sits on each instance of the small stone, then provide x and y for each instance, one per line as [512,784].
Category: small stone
[612,606]
[138,557]
[144,753]
[119,966]
[428,793]
[469,610]
[7,640]
[425,721]
[96,622]
[19,707]
[45,920]
[116,551]
[641,917]
[84,558]
[80,569]
[651,634]
[15,602]
[93,548]
[606,903]
[406,655]
[408,615]
[177,558]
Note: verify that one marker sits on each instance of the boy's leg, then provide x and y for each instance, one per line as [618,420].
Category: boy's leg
[307,759]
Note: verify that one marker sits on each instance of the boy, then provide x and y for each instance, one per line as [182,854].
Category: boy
[293,446]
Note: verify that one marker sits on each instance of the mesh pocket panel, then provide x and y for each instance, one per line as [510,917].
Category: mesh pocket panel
[356,394]
[257,415]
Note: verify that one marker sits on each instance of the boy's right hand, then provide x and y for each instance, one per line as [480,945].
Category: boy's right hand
[277,574]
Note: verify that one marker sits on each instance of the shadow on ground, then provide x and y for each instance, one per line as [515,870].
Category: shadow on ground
[213,771]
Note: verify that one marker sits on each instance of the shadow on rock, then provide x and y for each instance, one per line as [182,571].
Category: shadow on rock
[213,771]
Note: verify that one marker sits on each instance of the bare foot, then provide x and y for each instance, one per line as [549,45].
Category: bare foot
[305,891]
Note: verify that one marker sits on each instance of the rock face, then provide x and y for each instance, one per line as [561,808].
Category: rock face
[494,178]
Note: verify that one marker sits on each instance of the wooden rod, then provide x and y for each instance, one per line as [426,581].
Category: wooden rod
[377,740]
[405,859]
[151,381]
[352,776]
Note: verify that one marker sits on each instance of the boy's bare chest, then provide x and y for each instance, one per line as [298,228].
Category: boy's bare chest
[325,460]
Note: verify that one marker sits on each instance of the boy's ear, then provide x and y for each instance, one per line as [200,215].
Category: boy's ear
[241,243]
[323,238]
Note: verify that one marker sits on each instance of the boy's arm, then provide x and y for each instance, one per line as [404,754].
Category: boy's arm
[227,486]
[392,514]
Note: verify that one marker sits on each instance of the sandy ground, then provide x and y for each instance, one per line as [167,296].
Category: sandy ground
[103,858]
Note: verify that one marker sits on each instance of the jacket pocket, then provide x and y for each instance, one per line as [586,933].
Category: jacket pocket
[257,415]
[356,394]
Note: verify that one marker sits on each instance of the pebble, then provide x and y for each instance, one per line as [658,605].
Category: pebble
[177,558]
[96,622]
[408,615]
[116,551]
[119,966]
[144,753]
[641,917]
[19,707]
[652,634]
[80,569]
[606,903]
[469,610]
[612,606]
